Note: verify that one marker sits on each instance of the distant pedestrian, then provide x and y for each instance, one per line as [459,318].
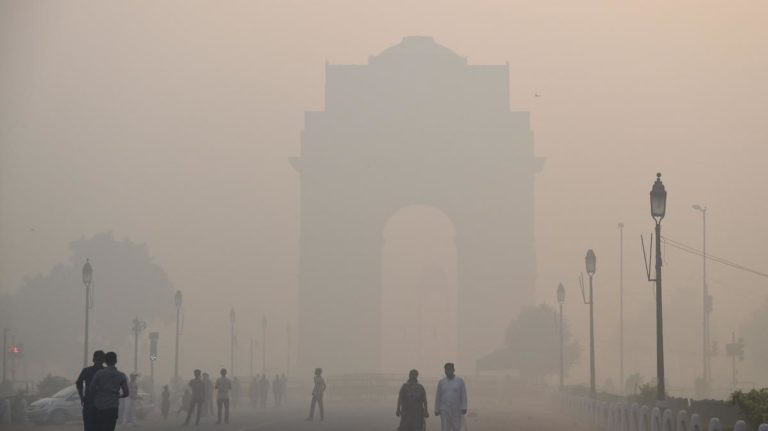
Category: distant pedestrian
[412,404]
[165,402]
[264,390]
[208,404]
[83,385]
[197,398]
[253,392]
[451,400]
[186,399]
[223,387]
[109,386]
[276,390]
[129,413]
[317,395]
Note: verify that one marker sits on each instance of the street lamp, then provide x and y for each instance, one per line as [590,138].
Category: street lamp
[87,281]
[177,301]
[153,338]
[561,300]
[658,210]
[264,345]
[707,302]
[621,308]
[591,262]
[232,342]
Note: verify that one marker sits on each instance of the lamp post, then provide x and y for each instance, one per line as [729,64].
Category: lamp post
[153,338]
[591,262]
[621,308]
[658,210]
[87,280]
[264,345]
[5,352]
[707,299]
[561,300]
[288,343]
[232,342]
[137,327]
[177,300]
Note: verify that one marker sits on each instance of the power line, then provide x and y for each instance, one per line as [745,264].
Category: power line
[688,249]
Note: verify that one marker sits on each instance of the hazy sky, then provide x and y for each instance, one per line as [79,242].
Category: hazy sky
[172,123]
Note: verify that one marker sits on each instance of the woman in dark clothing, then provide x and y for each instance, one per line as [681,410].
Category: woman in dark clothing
[412,404]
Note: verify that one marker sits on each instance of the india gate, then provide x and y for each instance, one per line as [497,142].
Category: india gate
[416,125]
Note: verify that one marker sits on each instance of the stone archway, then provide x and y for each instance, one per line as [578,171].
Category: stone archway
[416,125]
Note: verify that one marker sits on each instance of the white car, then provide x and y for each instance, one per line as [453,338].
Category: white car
[64,406]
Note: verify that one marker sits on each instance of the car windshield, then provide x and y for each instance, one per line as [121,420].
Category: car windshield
[64,392]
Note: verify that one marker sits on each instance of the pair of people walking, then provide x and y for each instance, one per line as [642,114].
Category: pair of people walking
[101,386]
[450,402]
[197,399]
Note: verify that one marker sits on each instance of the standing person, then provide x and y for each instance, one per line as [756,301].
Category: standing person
[109,386]
[86,399]
[451,400]
[253,391]
[165,402]
[276,390]
[264,390]
[197,397]
[186,399]
[208,404]
[129,413]
[317,395]
[412,404]
[223,386]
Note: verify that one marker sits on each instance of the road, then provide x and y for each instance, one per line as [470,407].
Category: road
[519,415]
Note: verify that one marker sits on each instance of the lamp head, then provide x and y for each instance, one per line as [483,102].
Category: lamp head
[87,272]
[591,262]
[658,199]
[560,293]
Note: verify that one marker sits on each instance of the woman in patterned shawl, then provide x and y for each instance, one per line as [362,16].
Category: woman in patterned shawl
[412,404]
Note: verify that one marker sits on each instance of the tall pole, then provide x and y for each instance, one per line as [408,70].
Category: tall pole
[178,333]
[232,342]
[562,378]
[251,358]
[5,352]
[137,327]
[592,385]
[707,298]
[288,350]
[87,280]
[264,345]
[660,383]
[734,381]
[621,308]
[13,360]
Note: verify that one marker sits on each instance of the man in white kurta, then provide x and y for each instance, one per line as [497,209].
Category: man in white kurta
[451,400]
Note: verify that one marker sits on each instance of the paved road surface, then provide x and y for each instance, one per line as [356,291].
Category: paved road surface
[520,415]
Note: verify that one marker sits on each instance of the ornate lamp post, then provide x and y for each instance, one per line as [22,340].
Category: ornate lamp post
[658,210]
[177,300]
[137,327]
[87,281]
[591,262]
[561,300]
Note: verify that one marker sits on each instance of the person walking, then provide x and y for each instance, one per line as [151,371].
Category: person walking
[208,404]
[186,399]
[451,400]
[264,390]
[276,390]
[165,402]
[83,385]
[317,395]
[412,404]
[197,397]
[223,387]
[109,386]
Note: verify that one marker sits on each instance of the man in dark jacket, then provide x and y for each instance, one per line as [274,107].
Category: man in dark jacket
[83,384]
[109,386]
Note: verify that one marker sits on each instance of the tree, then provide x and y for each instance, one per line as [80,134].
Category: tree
[51,384]
[756,340]
[46,312]
[533,342]
[753,404]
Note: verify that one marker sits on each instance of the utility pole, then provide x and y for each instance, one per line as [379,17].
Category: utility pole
[251,357]
[735,349]
[137,328]
[621,308]
[232,342]
[264,345]
[288,349]
[706,302]
[177,301]
[560,300]
[153,338]
[87,281]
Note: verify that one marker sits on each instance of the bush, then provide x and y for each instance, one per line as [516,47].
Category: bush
[51,384]
[753,404]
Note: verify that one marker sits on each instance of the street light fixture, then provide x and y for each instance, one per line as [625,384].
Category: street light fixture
[658,211]
[232,342]
[177,301]
[591,263]
[87,281]
[560,301]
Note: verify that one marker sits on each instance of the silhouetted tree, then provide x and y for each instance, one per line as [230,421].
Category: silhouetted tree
[533,340]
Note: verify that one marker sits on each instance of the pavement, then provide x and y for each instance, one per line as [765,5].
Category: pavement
[520,414]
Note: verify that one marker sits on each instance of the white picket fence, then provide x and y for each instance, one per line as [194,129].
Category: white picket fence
[618,416]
